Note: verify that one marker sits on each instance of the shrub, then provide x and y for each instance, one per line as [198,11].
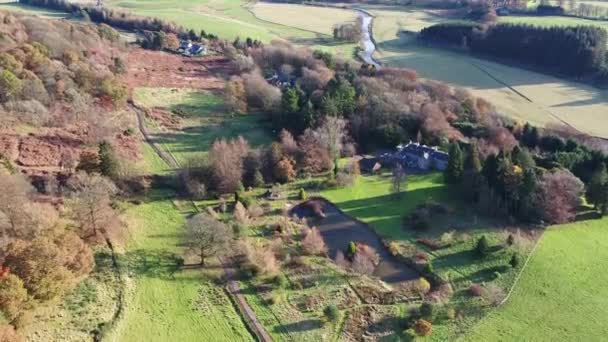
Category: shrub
[450,313]
[482,247]
[284,170]
[13,296]
[331,313]
[280,281]
[510,240]
[351,249]
[428,268]
[258,179]
[494,294]
[423,327]
[514,262]
[240,213]
[255,211]
[393,248]
[115,91]
[313,243]
[10,85]
[476,290]
[447,238]
[422,285]
[427,311]
[302,194]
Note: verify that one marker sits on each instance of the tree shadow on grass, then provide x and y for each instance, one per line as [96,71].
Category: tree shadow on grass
[487,274]
[301,326]
[156,263]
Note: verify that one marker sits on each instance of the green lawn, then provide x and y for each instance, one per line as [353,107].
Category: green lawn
[370,200]
[204,120]
[562,296]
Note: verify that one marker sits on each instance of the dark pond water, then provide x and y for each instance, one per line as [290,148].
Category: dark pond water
[339,229]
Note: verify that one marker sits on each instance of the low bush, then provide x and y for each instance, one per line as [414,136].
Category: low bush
[331,313]
[280,281]
[423,327]
[514,262]
[393,248]
[482,247]
[476,290]
[427,311]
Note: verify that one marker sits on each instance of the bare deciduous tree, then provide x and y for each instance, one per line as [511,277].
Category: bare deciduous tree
[206,236]
[313,242]
[226,158]
[560,194]
[332,135]
[14,220]
[398,180]
[90,201]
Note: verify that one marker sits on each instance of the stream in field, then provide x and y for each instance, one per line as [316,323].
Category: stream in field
[366,39]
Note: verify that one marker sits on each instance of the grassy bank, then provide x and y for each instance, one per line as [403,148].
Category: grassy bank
[203,120]
[370,200]
[166,301]
[562,293]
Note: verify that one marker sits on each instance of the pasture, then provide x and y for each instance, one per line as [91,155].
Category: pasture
[15,6]
[166,301]
[517,93]
[371,201]
[230,19]
[562,293]
[310,18]
[203,120]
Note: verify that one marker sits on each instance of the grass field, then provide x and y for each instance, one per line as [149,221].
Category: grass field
[235,18]
[548,100]
[203,121]
[316,19]
[162,301]
[370,200]
[562,294]
[13,5]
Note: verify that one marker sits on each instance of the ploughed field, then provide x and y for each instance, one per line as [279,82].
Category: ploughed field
[338,229]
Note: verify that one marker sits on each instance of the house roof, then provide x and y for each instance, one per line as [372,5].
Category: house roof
[368,163]
[422,151]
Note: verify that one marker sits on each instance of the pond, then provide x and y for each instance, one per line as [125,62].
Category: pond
[338,229]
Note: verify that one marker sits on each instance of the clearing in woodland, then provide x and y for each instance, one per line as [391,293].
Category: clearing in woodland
[562,293]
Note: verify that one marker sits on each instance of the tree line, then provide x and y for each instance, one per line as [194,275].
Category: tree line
[576,51]
[543,179]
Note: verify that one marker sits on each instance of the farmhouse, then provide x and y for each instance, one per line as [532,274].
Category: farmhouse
[187,48]
[281,80]
[417,156]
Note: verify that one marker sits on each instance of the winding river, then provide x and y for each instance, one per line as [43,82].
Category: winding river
[366,38]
